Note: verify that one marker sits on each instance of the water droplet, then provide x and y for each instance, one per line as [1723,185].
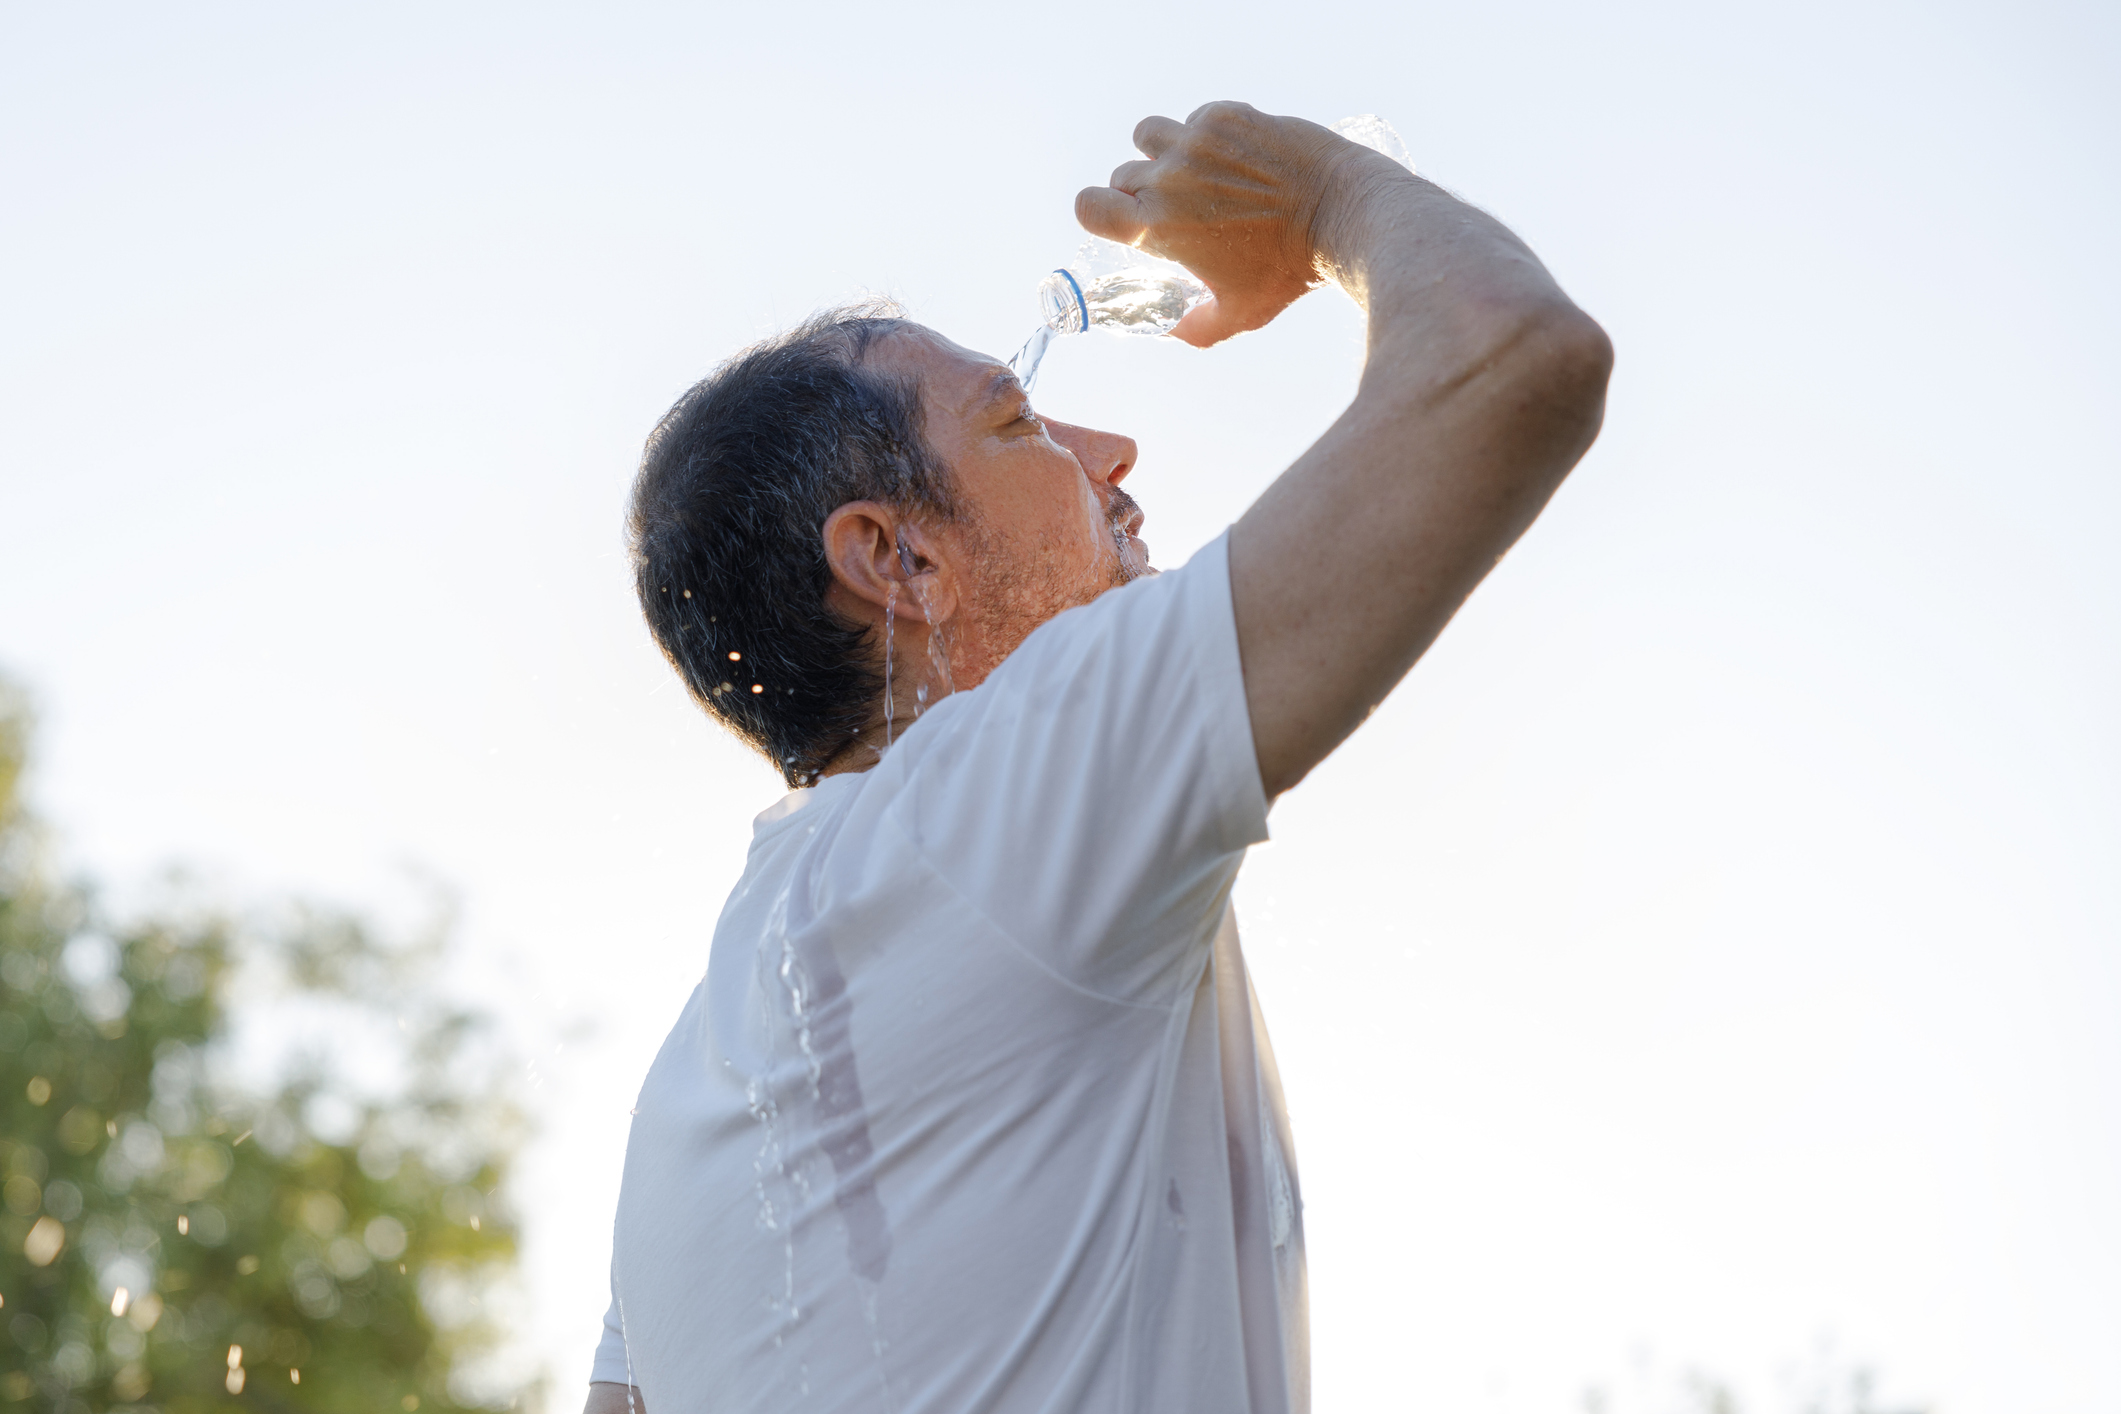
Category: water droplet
[890,618]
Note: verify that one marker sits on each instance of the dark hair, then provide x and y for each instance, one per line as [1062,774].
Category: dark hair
[733,491]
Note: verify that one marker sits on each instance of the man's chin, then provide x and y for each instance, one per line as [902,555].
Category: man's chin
[1133,558]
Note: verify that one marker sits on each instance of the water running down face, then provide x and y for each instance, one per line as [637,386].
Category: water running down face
[1045,524]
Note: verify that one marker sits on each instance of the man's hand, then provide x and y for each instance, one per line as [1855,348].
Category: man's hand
[607,1398]
[1482,386]
[1236,196]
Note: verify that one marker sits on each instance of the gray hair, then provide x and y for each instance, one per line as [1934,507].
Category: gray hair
[726,519]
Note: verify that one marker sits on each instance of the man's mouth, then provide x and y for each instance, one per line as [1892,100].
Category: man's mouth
[1125,517]
[1125,514]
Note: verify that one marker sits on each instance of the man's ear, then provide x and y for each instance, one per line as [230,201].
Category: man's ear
[878,557]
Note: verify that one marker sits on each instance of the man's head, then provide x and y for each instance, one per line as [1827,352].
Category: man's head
[857,466]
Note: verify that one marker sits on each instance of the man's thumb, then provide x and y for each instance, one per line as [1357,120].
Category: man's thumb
[1209,323]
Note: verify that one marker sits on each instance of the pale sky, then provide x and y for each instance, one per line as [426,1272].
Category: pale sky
[1713,950]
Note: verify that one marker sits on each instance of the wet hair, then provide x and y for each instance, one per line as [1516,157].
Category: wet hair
[726,520]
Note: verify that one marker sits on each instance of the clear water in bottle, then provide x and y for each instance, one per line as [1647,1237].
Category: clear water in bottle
[1112,287]
[1122,290]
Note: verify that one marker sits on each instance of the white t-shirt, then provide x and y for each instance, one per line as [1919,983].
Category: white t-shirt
[974,1109]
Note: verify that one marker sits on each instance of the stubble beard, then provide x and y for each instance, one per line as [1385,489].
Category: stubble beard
[1013,600]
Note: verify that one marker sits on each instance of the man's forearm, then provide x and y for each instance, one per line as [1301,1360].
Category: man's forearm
[608,1398]
[1482,387]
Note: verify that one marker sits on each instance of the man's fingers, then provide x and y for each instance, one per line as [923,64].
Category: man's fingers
[1113,214]
[1153,134]
[1130,177]
[1219,108]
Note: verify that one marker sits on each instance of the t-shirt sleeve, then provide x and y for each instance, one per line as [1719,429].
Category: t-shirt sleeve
[1095,795]
[609,1367]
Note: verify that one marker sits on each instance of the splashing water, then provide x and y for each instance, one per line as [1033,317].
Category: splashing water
[803,1002]
[1375,133]
[1031,355]
[1128,570]
[890,618]
[759,1100]
[633,1403]
[938,656]
[795,978]
[877,1344]
[797,982]
[769,1164]
[771,1170]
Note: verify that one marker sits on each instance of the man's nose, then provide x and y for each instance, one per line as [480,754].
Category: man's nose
[1106,456]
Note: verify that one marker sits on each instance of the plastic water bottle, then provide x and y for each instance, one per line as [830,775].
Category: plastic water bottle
[1123,290]
[1112,287]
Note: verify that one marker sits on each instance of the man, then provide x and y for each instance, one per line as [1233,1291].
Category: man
[974,1109]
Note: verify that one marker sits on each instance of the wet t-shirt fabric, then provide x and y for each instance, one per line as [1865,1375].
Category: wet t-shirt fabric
[974,1109]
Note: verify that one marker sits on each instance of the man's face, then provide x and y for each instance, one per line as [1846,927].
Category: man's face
[1047,525]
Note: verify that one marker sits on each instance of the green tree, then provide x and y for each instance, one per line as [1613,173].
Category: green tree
[177,1238]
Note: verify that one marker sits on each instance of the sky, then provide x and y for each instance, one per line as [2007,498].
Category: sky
[1711,956]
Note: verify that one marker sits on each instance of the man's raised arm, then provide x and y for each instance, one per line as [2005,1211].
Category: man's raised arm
[1482,387]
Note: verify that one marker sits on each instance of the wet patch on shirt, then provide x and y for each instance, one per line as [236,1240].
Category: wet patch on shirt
[843,1121]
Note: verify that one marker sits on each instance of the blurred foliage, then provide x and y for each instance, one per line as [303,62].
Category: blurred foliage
[1825,1384]
[174,1238]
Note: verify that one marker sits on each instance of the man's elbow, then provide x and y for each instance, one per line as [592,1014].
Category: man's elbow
[1570,353]
[1558,366]
[1532,350]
